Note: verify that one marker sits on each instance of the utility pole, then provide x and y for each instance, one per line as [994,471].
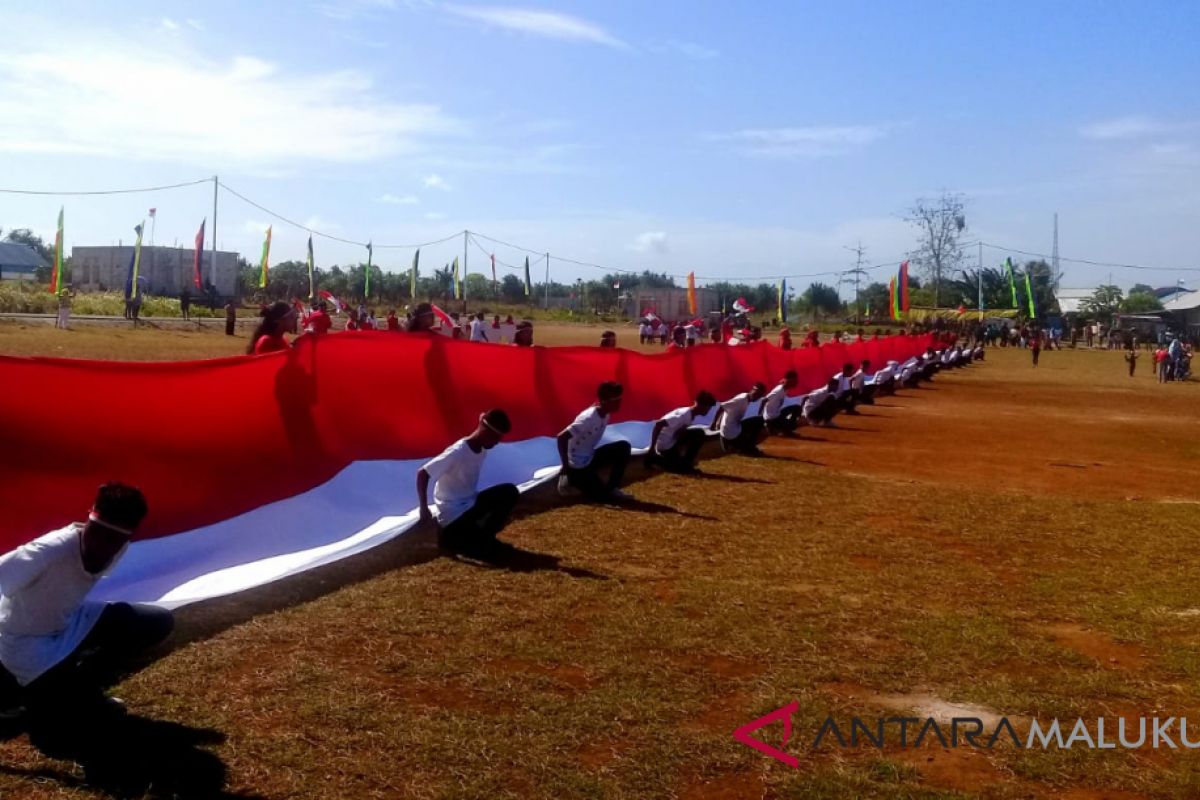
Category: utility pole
[979,303]
[547,281]
[212,267]
[858,273]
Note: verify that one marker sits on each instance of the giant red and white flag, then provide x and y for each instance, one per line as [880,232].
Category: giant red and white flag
[329,460]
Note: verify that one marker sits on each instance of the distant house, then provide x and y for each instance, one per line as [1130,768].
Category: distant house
[164,271]
[1070,301]
[19,262]
[1184,309]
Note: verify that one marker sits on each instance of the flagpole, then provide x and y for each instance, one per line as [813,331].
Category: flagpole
[979,303]
[466,272]
[212,266]
[547,281]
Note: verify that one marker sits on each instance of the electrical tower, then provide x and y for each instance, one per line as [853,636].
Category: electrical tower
[859,273]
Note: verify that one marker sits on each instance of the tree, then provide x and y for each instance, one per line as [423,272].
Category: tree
[1141,288]
[512,289]
[478,287]
[1103,303]
[443,283]
[820,297]
[1141,302]
[940,224]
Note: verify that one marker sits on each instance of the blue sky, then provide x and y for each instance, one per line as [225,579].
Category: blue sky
[736,140]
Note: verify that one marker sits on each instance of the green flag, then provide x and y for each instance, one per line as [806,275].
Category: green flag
[528,283]
[264,261]
[781,314]
[1012,281]
[412,275]
[1029,294]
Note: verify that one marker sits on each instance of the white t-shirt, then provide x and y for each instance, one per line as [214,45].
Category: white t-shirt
[43,616]
[731,420]
[586,432]
[645,330]
[691,332]
[857,380]
[814,399]
[478,330]
[677,422]
[843,383]
[772,404]
[455,474]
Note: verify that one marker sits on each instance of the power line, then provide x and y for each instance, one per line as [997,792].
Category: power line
[107,191]
[1114,265]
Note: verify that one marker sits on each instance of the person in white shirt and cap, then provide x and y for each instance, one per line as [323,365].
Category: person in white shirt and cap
[675,441]
[583,456]
[741,432]
[479,328]
[58,647]
[468,519]
[781,419]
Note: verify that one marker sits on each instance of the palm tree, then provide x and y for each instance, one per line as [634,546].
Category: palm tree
[443,282]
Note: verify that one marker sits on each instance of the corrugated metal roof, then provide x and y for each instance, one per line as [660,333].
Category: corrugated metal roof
[1184,302]
[1070,300]
[20,257]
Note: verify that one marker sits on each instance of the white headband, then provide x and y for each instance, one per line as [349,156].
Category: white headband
[94,517]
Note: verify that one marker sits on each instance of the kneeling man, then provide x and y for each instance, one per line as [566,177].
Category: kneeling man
[582,460]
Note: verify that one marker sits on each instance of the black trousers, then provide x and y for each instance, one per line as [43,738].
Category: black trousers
[478,525]
[848,401]
[121,634]
[787,421]
[747,440]
[614,456]
[681,457]
[1036,352]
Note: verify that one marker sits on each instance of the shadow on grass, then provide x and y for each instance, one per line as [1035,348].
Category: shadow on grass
[124,755]
[517,560]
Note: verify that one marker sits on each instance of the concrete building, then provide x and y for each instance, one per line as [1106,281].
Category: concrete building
[162,271]
[19,262]
[670,304]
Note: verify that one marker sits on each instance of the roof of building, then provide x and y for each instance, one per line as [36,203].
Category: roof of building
[1070,300]
[20,257]
[1185,301]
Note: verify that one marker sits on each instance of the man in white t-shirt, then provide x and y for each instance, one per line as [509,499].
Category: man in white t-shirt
[780,419]
[61,648]
[583,456]
[846,398]
[674,442]
[740,430]
[468,519]
[821,404]
[479,329]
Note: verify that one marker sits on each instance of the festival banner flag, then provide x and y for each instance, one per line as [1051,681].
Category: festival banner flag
[903,280]
[135,262]
[266,257]
[892,298]
[367,280]
[457,281]
[781,312]
[493,271]
[1012,281]
[528,283]
[412,275]
[197,253]
[1029,294]
[311,263]
[691,293]
[56,277]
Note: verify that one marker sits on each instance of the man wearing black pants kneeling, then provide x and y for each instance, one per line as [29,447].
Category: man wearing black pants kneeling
[782,420]
[674,443]
[741,433]
[582,460]
[58,650]
[467,519]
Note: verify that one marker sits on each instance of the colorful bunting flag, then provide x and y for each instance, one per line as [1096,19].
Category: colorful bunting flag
[56,277]
[1012,281]
[781,312]
[1029,294]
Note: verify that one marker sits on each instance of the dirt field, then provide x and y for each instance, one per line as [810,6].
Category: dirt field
[1009,541]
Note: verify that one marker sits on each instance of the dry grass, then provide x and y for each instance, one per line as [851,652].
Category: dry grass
[1000,539]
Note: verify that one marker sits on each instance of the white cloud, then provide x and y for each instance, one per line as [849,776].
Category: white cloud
[534,22]
[169,24]
[651,242]
[435,216]
[804,142]
[345,10]
[1122,128]
[194,24]
[69,95]
[399,200]
[316,223]
[436,181]
[689,49]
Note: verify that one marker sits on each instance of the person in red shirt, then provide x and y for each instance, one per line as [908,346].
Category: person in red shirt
[393,322]
[678,338]
[318,320]
[277,319]
[813,339]
[785,339]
